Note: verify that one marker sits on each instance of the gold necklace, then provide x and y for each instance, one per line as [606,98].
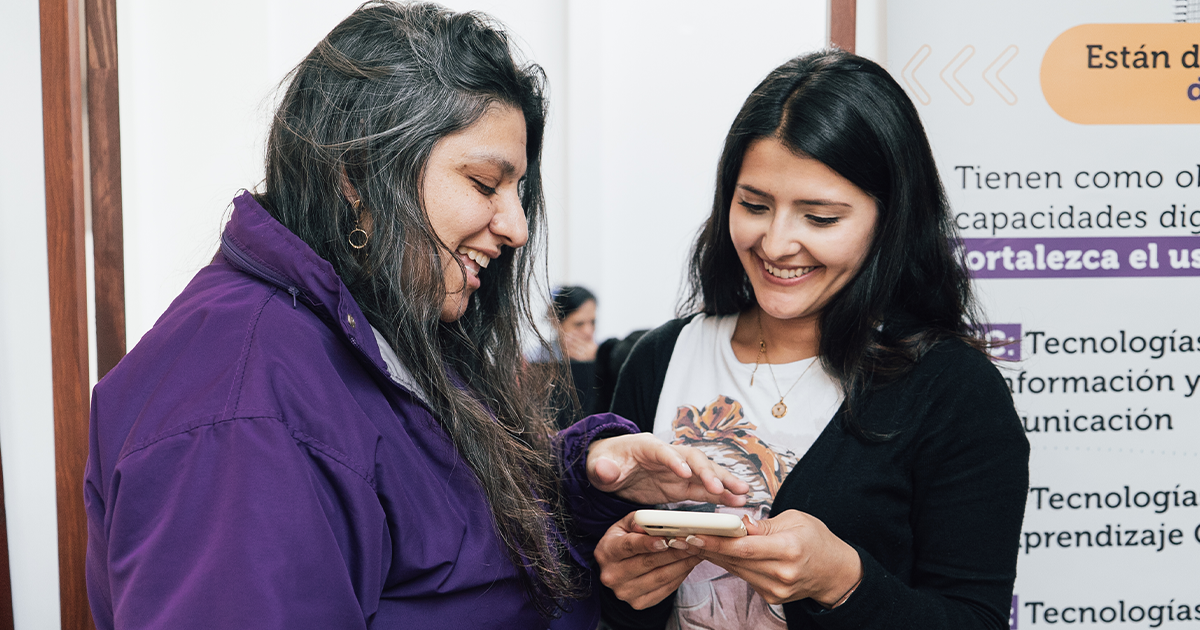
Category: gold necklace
[779,409]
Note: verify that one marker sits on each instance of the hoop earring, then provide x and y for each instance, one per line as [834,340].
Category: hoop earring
[358,237]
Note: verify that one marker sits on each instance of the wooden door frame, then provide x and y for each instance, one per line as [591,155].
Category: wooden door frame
[104,151]
[63,109]
[842,22]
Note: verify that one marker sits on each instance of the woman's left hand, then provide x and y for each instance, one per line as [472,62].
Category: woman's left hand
[786,558]
[644,469]
[578,347]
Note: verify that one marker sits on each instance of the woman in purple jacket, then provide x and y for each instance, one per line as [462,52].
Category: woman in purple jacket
[333,425]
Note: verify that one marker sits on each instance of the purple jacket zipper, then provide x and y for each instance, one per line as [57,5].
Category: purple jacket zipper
[247,264]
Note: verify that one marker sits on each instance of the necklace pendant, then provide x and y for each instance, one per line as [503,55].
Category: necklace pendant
[779,410]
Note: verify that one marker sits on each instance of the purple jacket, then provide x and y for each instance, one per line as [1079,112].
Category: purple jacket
[254,464]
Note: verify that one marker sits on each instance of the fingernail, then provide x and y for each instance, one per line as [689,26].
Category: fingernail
[659,545]
[675,543]
[694,541]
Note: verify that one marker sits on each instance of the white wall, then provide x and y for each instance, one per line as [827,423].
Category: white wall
[870,31]
[26,405]
[651,91]
[192,105]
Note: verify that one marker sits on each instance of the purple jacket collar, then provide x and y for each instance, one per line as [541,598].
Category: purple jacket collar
[257,244]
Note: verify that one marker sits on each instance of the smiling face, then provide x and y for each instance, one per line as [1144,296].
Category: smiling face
[471,192]
[801,230]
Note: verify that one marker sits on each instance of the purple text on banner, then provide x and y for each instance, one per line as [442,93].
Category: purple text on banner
[1100,257]
[1005,340]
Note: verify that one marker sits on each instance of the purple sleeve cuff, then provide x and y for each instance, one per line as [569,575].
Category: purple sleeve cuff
[592,511]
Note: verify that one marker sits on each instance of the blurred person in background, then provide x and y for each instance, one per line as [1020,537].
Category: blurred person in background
[594,367]
[572,316]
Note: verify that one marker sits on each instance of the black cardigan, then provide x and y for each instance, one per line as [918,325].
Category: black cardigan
[935,511]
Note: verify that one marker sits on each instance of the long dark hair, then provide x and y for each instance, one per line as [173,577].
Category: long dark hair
[363,111]
[567,300]
[912,290]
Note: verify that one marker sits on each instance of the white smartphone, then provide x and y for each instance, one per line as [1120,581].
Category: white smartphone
[679,523]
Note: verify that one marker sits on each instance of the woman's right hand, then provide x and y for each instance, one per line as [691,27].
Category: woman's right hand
[641,569]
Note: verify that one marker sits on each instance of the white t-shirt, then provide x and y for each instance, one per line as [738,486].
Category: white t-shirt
[707,402]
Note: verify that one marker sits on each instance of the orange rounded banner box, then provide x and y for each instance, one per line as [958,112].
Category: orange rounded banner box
[1125,74]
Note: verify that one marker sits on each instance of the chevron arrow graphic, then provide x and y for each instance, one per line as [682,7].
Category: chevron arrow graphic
[992,77]
[953,83]
[909,74]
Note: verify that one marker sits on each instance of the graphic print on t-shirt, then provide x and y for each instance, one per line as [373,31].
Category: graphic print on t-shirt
[711,597]
[723,433]
[710,400]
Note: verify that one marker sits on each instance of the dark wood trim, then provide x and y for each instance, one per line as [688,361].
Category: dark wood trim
[6,602]
[62,128]
[104,149]
[842,21]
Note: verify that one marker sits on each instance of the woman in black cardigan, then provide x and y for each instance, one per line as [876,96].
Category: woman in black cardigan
[890,493]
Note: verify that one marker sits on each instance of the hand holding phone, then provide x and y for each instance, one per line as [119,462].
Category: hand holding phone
[681,523]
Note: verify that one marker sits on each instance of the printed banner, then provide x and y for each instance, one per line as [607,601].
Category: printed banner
[1067,138]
